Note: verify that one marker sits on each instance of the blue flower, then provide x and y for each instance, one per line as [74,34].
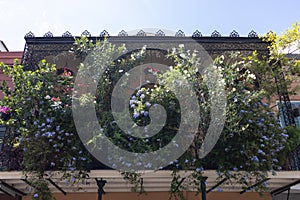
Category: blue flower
[149,165]
[139,93]
[136,115]
[255,159]
[142,96]
[265,137]
[146,113]
[148,104]
[284,135]
[261,152]
[199,169]
[36,195]
[72,168]
[131,102]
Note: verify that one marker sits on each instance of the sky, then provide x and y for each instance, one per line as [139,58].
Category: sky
[18,17]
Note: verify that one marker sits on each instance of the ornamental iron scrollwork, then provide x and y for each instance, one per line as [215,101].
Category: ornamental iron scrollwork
[123,33]
[159,33]
[215,34]
[141,33]
[29,35]
[48,34]
[86,33]
[67,34]
[197,34]
[104,33]
[234,34]
[179,33]
[252,34]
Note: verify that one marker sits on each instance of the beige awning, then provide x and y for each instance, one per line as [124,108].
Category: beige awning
[14,182]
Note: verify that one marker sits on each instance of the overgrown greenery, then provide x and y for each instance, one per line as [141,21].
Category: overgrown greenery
[40,125]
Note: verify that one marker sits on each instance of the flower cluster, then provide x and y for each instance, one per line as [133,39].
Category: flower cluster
[4,109]
[139,103]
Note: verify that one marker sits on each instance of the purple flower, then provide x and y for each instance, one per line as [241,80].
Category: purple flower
[5,110]
[36,195]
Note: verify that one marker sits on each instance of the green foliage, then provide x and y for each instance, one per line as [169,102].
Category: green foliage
[41,126]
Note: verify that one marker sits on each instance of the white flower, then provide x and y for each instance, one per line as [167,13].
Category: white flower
[47,97]
[252,76]
[181,45]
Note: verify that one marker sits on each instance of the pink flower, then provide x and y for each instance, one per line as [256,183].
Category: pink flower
[5,110]
[55,99]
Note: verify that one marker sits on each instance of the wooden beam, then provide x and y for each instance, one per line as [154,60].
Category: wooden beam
[56,186]
[13,189]
[284,188]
